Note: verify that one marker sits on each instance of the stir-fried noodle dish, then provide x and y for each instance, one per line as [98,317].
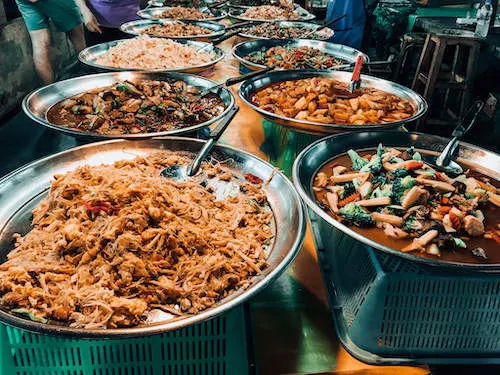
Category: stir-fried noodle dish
[111,243]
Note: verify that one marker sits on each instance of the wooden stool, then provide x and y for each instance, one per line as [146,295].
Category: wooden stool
[411,43]
[432,74]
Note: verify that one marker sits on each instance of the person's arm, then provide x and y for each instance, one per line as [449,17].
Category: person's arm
[88,17]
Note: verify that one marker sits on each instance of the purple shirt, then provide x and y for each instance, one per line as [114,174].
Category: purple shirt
[113,13]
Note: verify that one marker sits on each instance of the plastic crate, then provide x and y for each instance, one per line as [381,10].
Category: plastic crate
[388,310]
[216,346]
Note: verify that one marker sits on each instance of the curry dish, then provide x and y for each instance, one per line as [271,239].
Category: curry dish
[111,243]
[321,100]
[184,14]
[271,12]
[291,57]
[394,198]
[136,107]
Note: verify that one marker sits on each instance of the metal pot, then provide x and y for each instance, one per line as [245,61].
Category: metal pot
[17,203]
[311,159]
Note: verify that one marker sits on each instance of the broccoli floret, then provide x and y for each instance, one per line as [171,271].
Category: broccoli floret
[373,166]
[393,210]
[380,179]
[348,190]
[399,187]
[382,191]
[417,156]
[357,161]
[357,215]
[400,172]
[380,150]
[412,223]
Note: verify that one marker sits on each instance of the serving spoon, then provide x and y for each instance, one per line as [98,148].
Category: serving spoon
[324,26]
[444,162]
[180,172]
[235,80]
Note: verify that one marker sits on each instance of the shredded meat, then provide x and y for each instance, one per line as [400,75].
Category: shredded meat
[109,243]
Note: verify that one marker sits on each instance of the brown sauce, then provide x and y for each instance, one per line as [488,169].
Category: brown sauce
[490,211]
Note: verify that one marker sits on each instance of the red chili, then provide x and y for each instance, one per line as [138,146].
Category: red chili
[253,178]
[97,206]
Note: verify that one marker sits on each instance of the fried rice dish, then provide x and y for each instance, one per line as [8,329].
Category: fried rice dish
[111,243]
[145,52]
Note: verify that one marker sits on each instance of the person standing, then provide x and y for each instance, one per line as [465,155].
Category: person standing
[351,27]
[110,15]
[66,17]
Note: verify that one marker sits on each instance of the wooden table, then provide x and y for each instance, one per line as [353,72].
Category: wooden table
[292,326]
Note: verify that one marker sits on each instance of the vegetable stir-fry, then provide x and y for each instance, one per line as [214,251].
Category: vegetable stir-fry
[273,30]
[136,107]
[418,207]
[290,57]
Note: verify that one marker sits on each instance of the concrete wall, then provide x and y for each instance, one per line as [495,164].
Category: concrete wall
[17,72]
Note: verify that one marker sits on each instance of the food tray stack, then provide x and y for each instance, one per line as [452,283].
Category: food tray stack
[216,346]
[389,310]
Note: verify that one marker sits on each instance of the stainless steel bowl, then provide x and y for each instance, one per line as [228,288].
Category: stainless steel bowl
[311,159]
[324,34]
[155,13]
[16,205]
[37,103]
[250,86]
[237,14]
[339,51]
[90,54]
[137,28]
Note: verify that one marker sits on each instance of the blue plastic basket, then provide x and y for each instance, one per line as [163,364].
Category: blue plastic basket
[216,346]
[388,310]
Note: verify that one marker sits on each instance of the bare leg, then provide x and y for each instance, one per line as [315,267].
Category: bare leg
[77,37]
[40,40]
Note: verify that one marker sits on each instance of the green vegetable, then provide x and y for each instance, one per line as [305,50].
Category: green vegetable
[348,190]
[382,191]
[356,183]
[411,223]
[417,156]
[125,88]
[395,159]
[373,166]
[400,186]
[400,172]
[380,150]
[357,215]
[380,179]
[460,243]
[23,311]
[357,161]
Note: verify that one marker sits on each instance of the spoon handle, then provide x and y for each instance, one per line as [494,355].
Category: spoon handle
[244,77]
[195,165]
[463,127]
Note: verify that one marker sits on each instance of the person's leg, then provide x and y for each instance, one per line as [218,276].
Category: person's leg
[40,40]
[77,37]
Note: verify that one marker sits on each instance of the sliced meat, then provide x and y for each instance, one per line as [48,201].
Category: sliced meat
[473,226]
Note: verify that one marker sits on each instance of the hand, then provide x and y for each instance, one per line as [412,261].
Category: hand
[91,22]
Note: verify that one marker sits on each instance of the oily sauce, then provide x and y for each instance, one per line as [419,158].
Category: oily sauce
[490,211]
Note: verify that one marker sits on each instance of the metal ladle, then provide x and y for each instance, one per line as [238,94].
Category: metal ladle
[444,162]
[180,172]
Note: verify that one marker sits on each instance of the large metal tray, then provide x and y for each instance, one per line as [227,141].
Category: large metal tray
[136,28]
[304,14]
[37,103]
[88,56]
[155,13]
[16,205]
[240,51]
[250,86]
[316,155]
[325,33]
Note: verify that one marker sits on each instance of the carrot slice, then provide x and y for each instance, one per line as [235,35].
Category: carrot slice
[494,235]
[349,199]
[455,220]
[413,164]
[444,209]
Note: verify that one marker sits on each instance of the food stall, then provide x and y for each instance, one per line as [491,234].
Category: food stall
[227,191]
